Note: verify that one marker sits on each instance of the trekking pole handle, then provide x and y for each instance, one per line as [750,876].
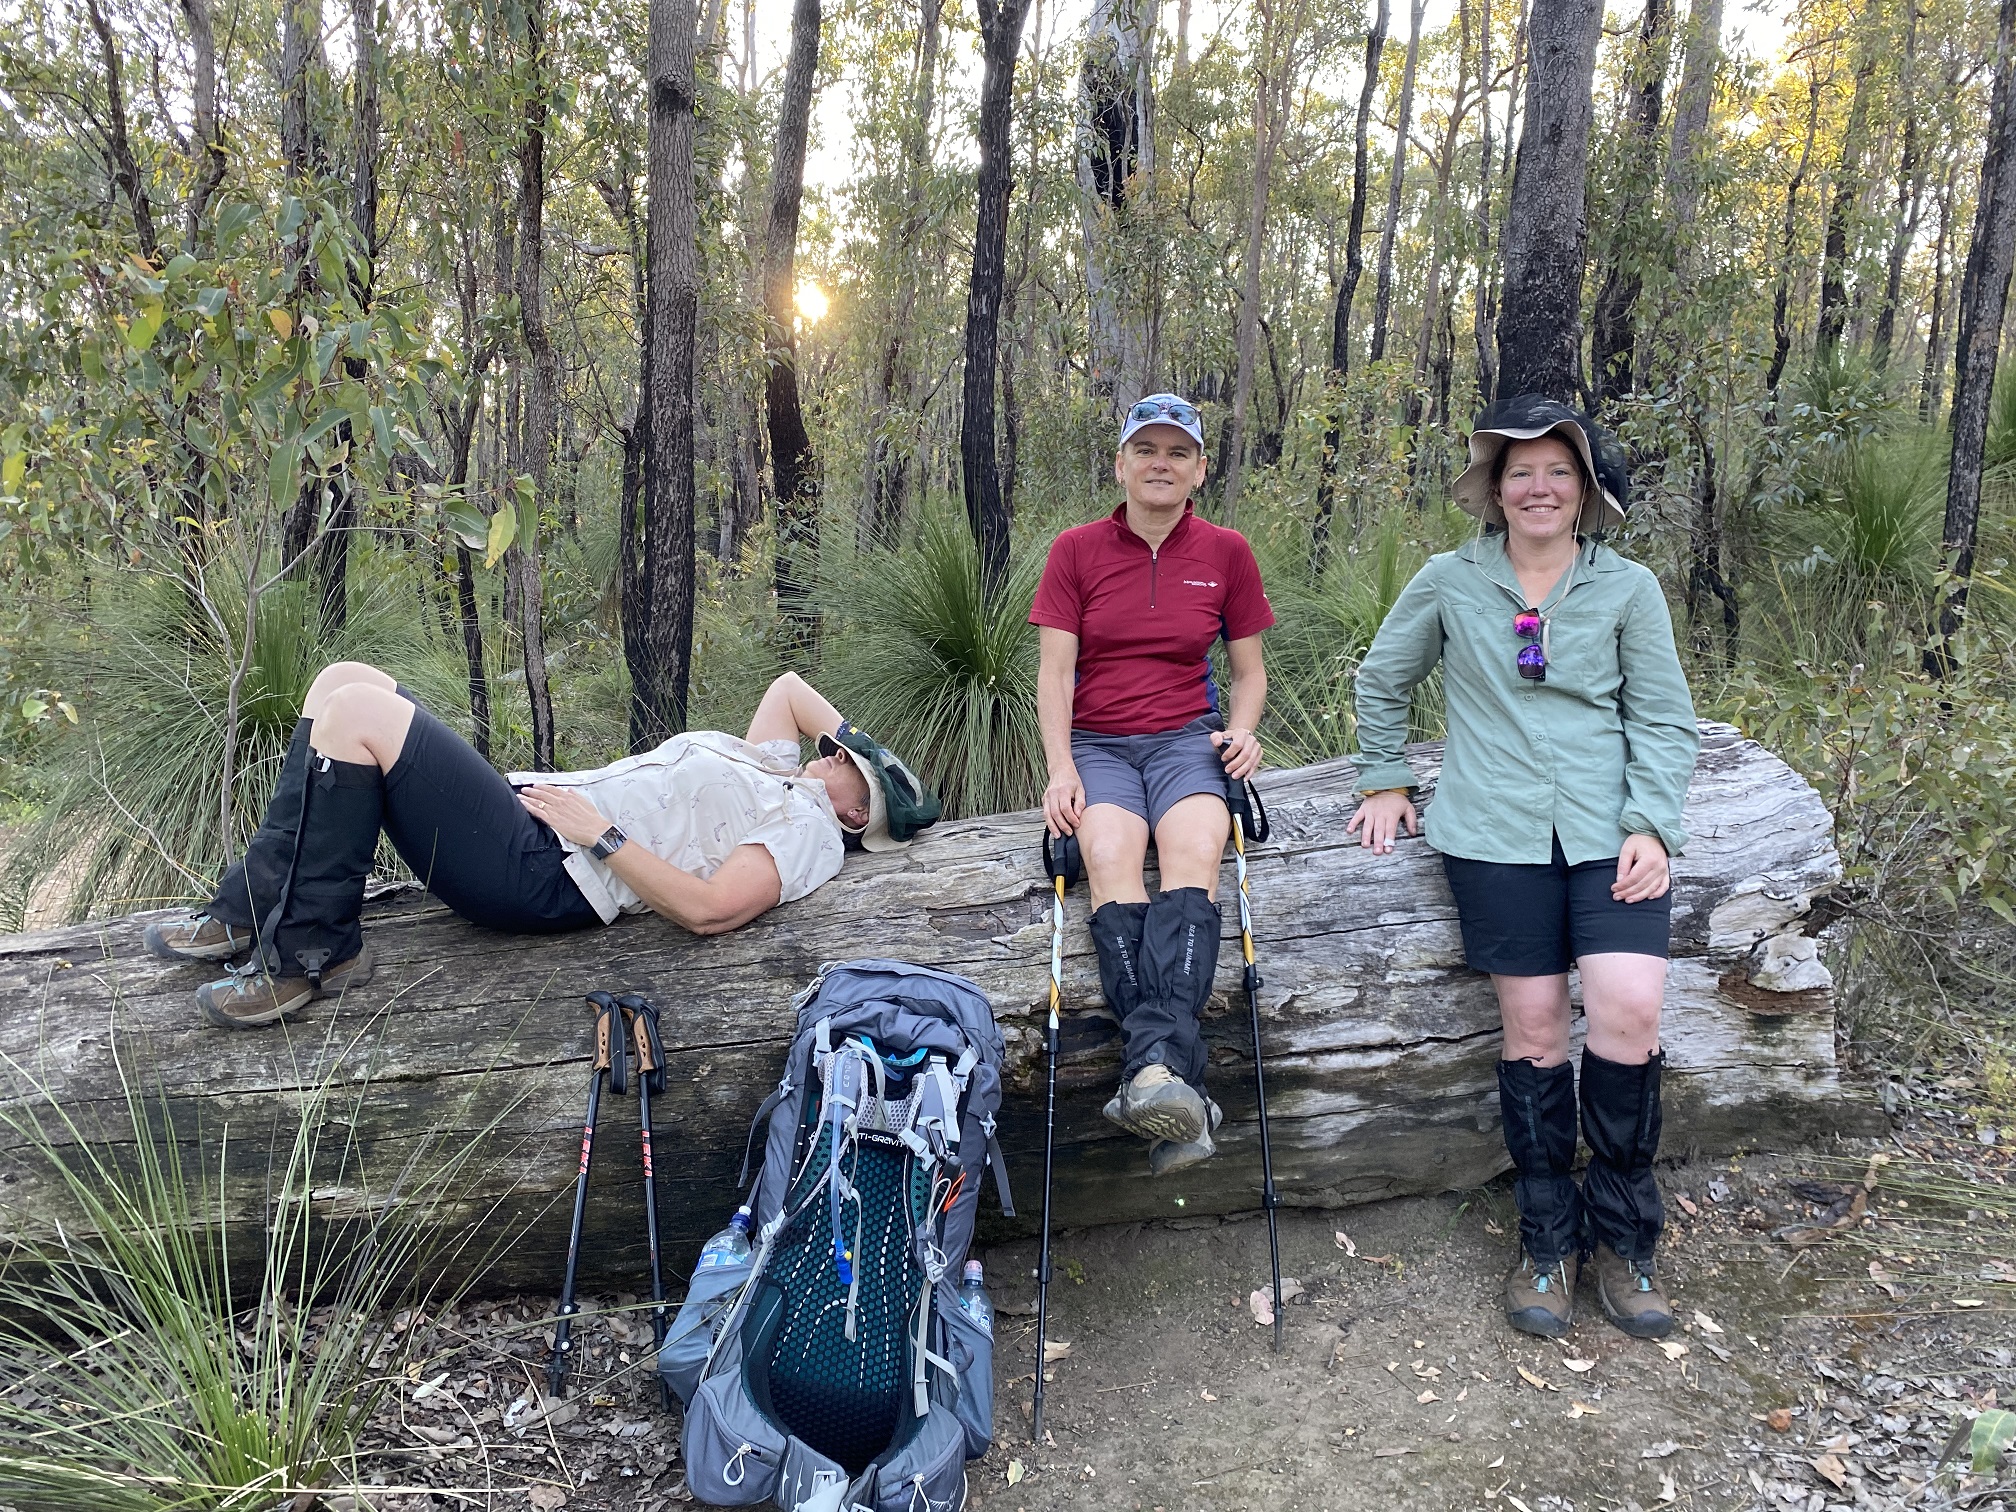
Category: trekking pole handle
[609,1046]
[1244,800]
[1061,858]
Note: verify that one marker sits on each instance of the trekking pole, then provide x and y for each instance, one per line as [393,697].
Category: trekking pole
[609,1057]
[1060,860]
[1241,799]
[649,1060]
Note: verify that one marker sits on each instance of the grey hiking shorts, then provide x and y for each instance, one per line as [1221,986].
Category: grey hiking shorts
[1150,774]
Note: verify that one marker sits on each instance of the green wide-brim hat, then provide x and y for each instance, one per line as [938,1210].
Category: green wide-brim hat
[899,804]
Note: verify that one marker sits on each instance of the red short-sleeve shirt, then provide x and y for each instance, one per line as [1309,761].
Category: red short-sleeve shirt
[1146,620]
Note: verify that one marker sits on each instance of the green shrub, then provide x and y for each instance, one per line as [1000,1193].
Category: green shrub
[141,1377]
[940,672]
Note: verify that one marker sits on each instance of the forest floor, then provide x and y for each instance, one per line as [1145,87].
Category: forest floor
[1816,1368]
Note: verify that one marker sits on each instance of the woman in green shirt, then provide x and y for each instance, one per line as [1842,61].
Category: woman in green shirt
[1571,739]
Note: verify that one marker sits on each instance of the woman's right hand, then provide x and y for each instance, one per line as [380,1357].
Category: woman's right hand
[1378,820]
[1064,802]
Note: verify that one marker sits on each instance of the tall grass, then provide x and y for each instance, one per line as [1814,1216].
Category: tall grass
[939,671]
[141,1372]
[132,814]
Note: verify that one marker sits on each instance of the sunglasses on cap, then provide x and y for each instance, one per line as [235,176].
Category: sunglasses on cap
[1148,411]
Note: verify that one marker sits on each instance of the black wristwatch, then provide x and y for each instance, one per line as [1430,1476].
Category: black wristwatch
[611,842]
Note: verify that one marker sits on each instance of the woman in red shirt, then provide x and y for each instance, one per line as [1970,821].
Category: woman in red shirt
[1139,748]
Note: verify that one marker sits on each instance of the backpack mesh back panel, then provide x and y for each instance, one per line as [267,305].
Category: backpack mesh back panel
[846,1398]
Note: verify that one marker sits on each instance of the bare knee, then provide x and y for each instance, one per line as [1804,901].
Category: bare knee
[342,674]
[1623,996]
[1190,842]
[1535,1012]
[363,722]
[1113,846]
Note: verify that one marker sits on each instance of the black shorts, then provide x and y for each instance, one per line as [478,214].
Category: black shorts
[1537,920]
[455,820]
[1149,774]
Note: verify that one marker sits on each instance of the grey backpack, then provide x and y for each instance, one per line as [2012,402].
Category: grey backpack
[833,1371]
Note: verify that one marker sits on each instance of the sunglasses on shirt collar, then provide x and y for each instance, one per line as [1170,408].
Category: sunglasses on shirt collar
[1531,627]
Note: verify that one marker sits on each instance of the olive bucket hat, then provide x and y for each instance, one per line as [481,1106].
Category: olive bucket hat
[899,805]
[1527,418]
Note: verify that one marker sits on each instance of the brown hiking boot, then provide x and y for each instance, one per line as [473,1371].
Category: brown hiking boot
[1631,1296]
[1158,1104]
[196,938]
[1167,1155]
[1541,1301]
[249,997]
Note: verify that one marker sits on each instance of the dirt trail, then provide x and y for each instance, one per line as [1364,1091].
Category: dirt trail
[1820,1385]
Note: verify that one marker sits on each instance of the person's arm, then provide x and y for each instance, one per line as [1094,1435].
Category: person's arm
[1402,654]
[1661,741]
[1056,684]
[745,885]
[1238,746]
[792,709]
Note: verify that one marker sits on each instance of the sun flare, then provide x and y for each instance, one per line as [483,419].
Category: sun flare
[812,302]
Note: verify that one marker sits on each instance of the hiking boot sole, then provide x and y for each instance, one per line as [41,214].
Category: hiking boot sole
[155,939]
[298,996]
[1167,1157]
[1173,1112]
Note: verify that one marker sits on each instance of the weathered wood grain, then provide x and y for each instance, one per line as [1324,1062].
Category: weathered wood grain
[1381,1047]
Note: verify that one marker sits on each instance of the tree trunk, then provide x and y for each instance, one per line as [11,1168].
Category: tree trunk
[659,681]
[1347,293]
[1910,193]
[1931,382]
[1984,297]
[1396,180]
[979,465]
[305,161]
[791,462]
[1705,578]
[1116,141]
[889,462]
[540,418]
[1685,154]
[1546,224]
[1432,354]
[1781,328]
[206,134]
[1381,1048]
[1273,92]
[1483,319]
[1614,320]
[1847,194]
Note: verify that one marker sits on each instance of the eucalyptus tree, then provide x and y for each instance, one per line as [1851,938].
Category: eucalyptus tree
[1630,236]
[1347,292]
[795,479]
[1116,167]
[1396,180]
[661,671]
[1546,224]
[1984,299]
[979,462]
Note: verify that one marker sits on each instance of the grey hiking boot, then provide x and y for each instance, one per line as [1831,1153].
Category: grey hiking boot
[1541,1301]
[1158,1104]
[1167,1155]
[251,996]
[196,938]
[1631,1296]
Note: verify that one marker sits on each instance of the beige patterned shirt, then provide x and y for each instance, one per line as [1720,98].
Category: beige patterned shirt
[692,801]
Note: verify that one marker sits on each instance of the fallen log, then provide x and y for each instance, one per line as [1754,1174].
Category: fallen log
[1380,1045]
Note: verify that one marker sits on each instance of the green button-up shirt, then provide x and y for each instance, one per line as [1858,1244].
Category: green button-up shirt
[1602,749]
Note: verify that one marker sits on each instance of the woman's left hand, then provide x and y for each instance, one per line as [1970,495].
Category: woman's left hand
[1641,870]
[566,812]
[1239,750]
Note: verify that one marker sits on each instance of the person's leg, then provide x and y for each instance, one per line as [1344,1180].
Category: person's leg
[1515,926]
[1622,1068]
[458,824]
[250,888]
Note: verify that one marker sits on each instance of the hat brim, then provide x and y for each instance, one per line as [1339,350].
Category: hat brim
[1473,486]
[874,835]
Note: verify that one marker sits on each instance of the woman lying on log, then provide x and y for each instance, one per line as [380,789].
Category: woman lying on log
[1128,610]
[707,830]
[1571,739]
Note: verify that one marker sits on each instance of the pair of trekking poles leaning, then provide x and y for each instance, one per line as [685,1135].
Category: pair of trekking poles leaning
[828,1356]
